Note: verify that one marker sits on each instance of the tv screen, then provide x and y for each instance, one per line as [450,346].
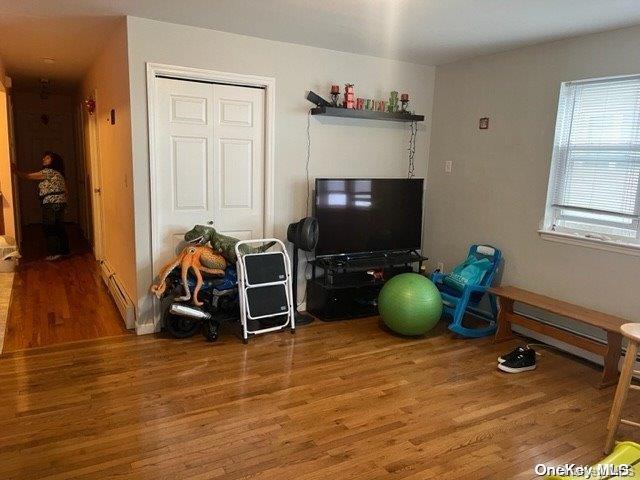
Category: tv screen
[368,214]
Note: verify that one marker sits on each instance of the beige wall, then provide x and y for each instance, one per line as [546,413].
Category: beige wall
[339,148]
[109,75]
[497,190]
[5,155]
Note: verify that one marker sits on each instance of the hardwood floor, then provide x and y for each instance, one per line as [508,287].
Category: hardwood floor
[61,301]
[344,400]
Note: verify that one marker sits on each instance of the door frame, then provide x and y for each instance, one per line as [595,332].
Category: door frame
[211,76]
[93,154]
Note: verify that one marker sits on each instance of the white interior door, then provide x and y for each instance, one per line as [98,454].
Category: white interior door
[209,161]
[95,178]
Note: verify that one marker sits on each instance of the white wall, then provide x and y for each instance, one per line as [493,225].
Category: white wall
[339,148]
[109,76]
[497,190]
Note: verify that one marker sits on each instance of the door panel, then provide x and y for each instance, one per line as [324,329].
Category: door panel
[237,173]
[239,166]
[184,162]
[190,172]
[192,110]
[209,161]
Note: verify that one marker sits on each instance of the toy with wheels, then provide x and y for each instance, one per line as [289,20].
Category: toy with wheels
[623,462]
[180,326]
[219,304]
[410,304]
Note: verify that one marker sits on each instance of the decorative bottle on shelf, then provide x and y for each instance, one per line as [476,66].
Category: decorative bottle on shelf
[392,106]
[335,93]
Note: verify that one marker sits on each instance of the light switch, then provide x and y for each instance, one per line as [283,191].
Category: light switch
[448,165]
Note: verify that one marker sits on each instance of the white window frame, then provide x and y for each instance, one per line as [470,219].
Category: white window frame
[555,213]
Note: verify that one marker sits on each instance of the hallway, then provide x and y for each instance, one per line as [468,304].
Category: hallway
[61,301]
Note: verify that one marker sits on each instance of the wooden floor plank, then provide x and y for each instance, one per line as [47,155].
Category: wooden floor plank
[341,400]
[58,302]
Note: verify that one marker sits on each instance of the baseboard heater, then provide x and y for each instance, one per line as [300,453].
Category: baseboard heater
[578,352]
[119,295]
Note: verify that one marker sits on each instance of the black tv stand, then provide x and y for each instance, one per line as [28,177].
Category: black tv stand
[347,286]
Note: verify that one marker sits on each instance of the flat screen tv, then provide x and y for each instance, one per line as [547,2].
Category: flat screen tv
[357,215]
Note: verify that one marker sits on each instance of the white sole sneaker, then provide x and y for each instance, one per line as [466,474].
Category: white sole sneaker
[504,368]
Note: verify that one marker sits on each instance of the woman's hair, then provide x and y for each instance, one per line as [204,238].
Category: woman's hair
[56,161]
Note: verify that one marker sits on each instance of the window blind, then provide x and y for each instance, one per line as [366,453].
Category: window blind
[595,168]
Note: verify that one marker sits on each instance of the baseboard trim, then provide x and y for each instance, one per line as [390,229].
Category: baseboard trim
[146,329]
[119,294]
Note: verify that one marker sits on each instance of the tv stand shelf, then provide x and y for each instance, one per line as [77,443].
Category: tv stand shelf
[367,261]
[346,289]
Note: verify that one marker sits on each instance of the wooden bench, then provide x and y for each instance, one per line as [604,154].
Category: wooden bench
[609,323]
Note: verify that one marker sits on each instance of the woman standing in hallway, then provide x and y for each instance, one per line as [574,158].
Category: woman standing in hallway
[52,190]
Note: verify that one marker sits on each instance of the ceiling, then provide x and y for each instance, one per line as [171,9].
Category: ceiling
[430,32]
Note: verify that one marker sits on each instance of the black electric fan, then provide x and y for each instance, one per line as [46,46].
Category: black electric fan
[304,236]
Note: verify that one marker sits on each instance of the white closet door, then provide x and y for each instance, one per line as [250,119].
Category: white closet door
[209,164]
[238,180]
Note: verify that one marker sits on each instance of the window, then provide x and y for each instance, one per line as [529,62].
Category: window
[595,169]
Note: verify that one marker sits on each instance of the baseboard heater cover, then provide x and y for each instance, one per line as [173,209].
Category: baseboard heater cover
[119,294]
[578,352]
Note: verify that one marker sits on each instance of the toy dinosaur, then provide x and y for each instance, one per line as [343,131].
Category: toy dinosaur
[198,258]
[202,234]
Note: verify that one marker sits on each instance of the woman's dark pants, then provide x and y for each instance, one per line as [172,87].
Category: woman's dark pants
[54,230]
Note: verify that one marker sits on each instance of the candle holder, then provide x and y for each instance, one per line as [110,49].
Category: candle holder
[404,100]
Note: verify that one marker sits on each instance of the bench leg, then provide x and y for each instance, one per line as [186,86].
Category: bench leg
[621,396]
[611,360]
[503,331]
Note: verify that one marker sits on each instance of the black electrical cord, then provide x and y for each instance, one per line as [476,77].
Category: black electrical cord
[412,149]
[307,179]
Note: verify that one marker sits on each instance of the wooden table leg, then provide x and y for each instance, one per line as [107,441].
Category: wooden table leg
[611,360]
[503,332]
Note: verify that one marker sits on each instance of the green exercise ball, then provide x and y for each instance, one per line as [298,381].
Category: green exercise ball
[410,304]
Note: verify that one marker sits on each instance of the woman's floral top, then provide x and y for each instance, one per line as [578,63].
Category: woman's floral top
[53,188]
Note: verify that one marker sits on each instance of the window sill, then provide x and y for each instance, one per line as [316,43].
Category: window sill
[574,239]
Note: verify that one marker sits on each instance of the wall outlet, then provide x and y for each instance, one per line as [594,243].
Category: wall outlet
[440,266]
[448,165]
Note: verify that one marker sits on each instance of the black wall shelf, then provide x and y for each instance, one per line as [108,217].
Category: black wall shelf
[366,114]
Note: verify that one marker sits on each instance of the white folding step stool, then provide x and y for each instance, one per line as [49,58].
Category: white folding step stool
[265,287]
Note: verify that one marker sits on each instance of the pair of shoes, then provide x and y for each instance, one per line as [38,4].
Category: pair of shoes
[52,258]
[521,359]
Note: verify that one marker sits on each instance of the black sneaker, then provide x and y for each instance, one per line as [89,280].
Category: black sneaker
[512,354]
[521,363]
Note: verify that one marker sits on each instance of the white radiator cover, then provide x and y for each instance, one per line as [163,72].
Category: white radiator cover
[119,294]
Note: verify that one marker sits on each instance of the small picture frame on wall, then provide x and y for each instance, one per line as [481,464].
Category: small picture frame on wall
[483,124]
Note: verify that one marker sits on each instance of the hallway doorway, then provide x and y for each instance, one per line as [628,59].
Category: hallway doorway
[64,300]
